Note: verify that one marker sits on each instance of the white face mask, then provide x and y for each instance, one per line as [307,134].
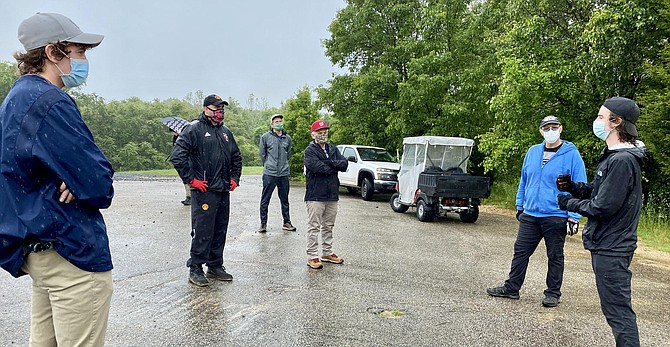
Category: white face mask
[551,136]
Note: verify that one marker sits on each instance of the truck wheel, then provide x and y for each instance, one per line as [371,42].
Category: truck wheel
[396,205]
[471,215]
[367,189]
[424,212]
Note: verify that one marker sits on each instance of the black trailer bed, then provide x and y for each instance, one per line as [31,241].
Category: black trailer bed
[454,185]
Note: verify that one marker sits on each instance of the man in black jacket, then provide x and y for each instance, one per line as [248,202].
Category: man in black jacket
[612,203]
[322,162]
[207,158]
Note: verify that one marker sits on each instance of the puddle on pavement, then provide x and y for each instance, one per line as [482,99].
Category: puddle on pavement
[386,313]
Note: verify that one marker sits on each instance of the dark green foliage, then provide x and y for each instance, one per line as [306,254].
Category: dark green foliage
[300,111]
[483,69]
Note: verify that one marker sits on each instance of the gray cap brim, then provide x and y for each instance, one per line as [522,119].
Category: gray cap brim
[87,39]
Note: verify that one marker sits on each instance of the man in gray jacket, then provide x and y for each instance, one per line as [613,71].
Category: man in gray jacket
[275,150]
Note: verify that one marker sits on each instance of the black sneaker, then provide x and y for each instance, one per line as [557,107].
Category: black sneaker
[197,276]
[187,201]
[288,227]
[502,292]
[550,301]
[218,273]
[263,229]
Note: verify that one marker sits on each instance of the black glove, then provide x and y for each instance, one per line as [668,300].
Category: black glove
[573,227]
[518,214]
[564,183]
[563,201]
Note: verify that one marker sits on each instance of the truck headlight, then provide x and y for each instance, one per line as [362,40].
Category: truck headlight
[385,174]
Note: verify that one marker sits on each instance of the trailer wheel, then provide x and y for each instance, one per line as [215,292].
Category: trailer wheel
[471,215]
[424,212]
[396,205]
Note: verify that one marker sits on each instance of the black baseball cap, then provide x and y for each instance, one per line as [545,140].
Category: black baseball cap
[550,120]
[626,109]
[214,100]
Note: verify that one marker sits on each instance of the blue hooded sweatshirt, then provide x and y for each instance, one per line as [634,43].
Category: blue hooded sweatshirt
[44,142]
[537,191]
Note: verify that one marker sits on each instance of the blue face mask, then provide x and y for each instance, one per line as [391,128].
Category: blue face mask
[599,130]
[78,73]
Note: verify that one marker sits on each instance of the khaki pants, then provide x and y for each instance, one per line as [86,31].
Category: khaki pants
[70,306]
[321,216]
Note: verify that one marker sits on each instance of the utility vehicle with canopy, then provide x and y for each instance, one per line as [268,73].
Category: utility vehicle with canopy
[433,178]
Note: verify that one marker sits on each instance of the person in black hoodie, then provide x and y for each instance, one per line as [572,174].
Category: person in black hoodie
[322,162]
[612,203]
[206,157]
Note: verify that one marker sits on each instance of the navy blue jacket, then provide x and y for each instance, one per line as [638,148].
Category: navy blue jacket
[208,153]
[321,171]
[45,142]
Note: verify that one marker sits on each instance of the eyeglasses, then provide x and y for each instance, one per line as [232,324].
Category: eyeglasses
[554,128]
[216,110]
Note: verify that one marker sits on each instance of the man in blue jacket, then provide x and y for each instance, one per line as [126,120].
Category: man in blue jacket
[612,202]
[322,162]
[538,213]
[206,157]
[53,182]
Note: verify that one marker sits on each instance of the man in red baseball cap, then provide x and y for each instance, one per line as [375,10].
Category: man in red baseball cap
[322,162]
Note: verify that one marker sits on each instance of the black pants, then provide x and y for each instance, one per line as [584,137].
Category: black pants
[613,281]
[531,231]
[269,184]
[209,220]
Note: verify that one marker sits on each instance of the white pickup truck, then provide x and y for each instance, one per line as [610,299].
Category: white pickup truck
[371,169]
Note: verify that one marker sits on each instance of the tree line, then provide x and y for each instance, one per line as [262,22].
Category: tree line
[491,69]
[482,69]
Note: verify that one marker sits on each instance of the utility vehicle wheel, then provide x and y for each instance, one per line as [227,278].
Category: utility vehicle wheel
[470,216]
[424,212]
[367,189]
[396,205]
[352,190]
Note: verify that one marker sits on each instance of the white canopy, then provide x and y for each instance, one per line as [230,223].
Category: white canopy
[439,140]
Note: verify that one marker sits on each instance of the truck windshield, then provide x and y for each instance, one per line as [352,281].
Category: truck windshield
[374,154]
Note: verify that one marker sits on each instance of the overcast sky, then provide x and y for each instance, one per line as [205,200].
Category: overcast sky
[166,49]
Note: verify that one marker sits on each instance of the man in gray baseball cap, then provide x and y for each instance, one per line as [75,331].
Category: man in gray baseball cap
[44,28]
[62,244]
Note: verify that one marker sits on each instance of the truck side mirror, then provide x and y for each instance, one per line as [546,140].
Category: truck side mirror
[352,159]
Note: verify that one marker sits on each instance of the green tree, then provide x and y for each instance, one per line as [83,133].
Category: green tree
[299,111]
[415,68]
[7,77]
[563,58]
[374,40]
[139,156]
[654,122]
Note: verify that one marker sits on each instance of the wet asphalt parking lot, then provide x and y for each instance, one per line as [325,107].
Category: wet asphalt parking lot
[403,283]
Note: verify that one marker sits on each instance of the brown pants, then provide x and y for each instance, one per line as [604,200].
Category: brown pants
[70,306]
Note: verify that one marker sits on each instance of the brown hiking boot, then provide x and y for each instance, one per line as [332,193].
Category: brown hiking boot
[333,258]
[314,263]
